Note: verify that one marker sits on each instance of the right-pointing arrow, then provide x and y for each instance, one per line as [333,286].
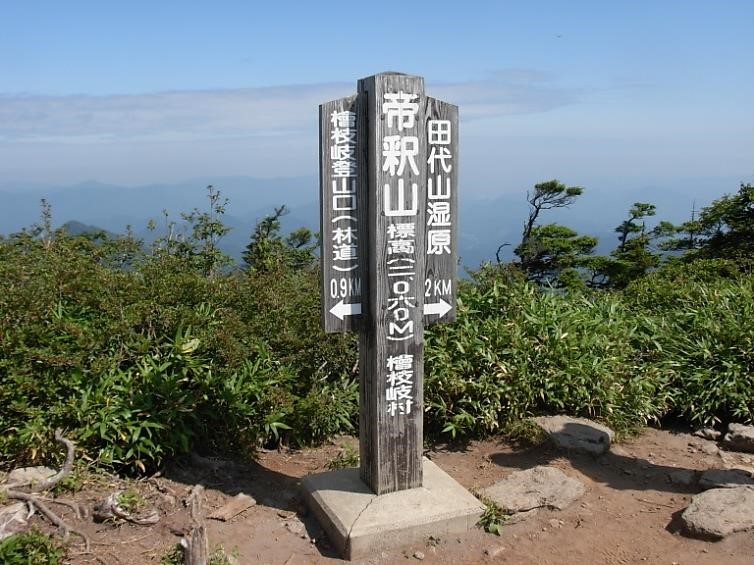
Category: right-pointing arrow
[342,309]
[441,308]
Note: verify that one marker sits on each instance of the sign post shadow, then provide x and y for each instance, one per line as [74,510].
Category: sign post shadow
[388,196]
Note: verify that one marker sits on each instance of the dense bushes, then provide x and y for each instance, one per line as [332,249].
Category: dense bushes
[703,313]
[517,351]
[151,360]
[140,355]
[29,547]
[677,342]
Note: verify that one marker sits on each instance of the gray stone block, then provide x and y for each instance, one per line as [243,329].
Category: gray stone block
[362,524]
[717,513]
[577,434]
[540,487]
[740,438]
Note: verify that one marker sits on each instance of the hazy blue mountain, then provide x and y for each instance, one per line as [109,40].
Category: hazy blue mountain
[77,228]
[484,223]
[116,206]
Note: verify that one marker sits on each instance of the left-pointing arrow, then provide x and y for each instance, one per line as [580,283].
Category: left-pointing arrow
[341,309]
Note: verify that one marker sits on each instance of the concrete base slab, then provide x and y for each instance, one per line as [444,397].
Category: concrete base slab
[362,524]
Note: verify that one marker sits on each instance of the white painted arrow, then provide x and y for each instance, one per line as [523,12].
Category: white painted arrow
[341,309]
[440,308]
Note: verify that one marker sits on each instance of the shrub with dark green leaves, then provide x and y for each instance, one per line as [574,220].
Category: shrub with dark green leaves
[703,317]
[329,408]
[143,354]
[141,363]
[516,351]
[30,547]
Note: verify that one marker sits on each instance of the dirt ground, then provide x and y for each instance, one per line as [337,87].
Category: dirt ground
[629,514]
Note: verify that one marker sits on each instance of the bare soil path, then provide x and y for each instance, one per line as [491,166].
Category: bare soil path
[628,515]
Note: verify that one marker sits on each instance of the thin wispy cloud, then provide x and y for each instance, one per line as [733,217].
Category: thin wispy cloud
[495,97]
[172,115]
[271,111]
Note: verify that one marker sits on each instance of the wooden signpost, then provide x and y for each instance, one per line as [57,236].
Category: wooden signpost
[388,180]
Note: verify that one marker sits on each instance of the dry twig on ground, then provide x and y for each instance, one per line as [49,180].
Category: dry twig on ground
[34,500]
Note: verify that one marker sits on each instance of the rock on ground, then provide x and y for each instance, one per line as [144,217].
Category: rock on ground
[717,513]
[710,449]
[725,478]
[540,487]
[30,475]
[740,437]
[708,433]
[521,516]
[13,519]
[577,434]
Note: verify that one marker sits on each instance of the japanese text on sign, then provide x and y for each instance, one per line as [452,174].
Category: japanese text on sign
[400,382]
[439,188]
[345,224]
[400,149]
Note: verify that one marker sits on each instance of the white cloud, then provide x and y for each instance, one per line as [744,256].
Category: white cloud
[171,136]
[161,116]
[195,115]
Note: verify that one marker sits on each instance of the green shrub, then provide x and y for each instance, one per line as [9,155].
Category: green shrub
[493,518]
[329,408]
[140,355]
[30,548]
[703,337]
[142,363]
[516,351]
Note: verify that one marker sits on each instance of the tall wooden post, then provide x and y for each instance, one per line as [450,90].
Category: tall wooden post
[388,191]
[392,154]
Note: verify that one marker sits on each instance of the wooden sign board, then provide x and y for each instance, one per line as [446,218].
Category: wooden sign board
[342,219]
[441,213]
[388,189]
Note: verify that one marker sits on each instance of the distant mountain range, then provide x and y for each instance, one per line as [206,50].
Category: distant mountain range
[77,228]
[485,223]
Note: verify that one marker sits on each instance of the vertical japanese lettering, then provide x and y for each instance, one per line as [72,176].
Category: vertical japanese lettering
[400,151]
[340,227]
[440,211]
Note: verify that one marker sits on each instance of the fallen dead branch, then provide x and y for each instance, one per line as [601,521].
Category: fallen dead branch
[239,503]
[111,509]
[37,502]
[654,502]
[80,513]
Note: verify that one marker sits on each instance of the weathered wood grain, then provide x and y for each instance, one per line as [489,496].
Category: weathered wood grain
[391,443]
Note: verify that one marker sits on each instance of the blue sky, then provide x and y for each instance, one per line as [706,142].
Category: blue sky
[609,95]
